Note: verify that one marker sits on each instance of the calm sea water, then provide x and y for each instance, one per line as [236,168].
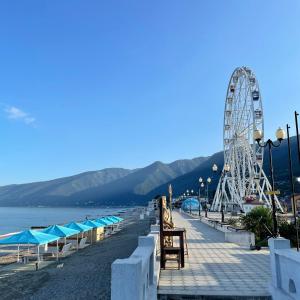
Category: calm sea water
[20,218]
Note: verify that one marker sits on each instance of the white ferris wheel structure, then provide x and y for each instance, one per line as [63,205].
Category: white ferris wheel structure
[243,177]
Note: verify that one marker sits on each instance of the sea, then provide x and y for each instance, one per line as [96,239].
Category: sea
[13,219]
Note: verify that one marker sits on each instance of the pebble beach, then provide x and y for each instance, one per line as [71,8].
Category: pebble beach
[85,274]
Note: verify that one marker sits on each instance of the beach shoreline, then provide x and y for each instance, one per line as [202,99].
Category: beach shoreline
[85,274]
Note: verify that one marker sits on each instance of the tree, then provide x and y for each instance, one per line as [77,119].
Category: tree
[288,231]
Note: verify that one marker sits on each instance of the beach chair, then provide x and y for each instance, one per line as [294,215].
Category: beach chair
[73,242]
[65,249]
[82,243]
[108,231]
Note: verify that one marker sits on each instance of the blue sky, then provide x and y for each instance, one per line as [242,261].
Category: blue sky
[86,85]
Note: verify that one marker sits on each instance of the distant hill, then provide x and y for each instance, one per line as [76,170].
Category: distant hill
[114,186]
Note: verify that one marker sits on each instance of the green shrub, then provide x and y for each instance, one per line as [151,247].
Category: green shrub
[258,221]
[232,222]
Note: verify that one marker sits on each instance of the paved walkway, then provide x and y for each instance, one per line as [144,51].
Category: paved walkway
[215,267]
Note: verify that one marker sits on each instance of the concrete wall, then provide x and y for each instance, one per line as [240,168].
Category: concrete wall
[214,225]
[136,277]
[242,238]
[285,267]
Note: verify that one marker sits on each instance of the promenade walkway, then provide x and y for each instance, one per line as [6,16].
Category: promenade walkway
[214,267]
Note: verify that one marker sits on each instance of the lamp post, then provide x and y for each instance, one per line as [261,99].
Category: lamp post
[208,182]
[292,183]
[225,170]
[202,185]
[199,196]
[222,213]
[205,204]
[280,135]
[297,134]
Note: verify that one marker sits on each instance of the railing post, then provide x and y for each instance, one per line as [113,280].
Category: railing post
[126,279]
[275,244]
[148,241]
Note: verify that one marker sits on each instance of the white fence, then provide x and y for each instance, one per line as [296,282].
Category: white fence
[136,277]
[285,267]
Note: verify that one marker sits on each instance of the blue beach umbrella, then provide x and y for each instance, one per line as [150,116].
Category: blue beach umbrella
[111,219]
[60,231]
[103,221]
[108,219]
[78,226]
[119,218]
[92,224]
[114,219]
[29,237]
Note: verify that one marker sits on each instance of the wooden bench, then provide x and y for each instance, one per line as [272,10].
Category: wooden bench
[168,251]
[171,254]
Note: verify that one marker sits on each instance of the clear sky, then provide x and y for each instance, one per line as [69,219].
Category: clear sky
[86,85]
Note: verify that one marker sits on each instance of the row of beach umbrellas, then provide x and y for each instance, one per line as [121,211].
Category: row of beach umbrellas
[56,232]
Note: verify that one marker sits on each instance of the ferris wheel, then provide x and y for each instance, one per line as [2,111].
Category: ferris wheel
[242,179]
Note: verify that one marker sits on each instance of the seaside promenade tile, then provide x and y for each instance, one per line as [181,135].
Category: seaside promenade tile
[215,267]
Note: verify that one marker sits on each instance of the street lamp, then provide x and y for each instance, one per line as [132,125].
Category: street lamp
[292,183]
[199,196]
[225,170]
[297,134]
[280,135]
[215,168]
[208,180]
[205,204]
[202,185]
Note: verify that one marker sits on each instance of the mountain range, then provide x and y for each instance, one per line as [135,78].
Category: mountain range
[113,186]
[123,187]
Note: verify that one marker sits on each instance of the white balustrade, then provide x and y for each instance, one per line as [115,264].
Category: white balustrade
[285,267]
[136,277]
